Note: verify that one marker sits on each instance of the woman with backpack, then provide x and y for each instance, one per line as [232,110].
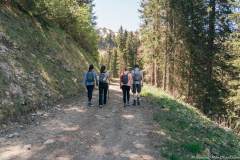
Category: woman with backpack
[103,86]
[89,79]
[125,85]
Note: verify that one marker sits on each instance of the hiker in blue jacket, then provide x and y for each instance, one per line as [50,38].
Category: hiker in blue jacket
[90,79]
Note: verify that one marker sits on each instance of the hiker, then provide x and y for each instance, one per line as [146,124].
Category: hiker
[125,85]
[137,76]
[90,78]
[103,86]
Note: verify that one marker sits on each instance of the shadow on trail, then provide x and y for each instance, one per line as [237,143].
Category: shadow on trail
[78,132]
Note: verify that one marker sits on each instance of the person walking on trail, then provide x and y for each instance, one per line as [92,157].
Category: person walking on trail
[103,86]
[90,78]
[125,85]
[137,76]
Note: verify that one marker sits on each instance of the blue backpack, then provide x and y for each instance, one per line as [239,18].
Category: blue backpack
[90,77]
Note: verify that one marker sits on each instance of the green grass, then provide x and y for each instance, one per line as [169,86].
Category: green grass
[188,133]
[49,61]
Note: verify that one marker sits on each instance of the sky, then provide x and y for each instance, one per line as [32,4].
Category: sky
[114,13]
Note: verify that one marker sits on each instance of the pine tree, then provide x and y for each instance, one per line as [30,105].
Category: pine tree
[121,47]
[184,50]
[132,45]
[91,5]
[115,63]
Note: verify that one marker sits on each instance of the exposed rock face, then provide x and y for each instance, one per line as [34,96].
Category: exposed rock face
[3,49]
[15,90]
[6,70]
[5,44]
[38,66]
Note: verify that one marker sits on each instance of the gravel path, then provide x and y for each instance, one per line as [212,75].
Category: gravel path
[77,132]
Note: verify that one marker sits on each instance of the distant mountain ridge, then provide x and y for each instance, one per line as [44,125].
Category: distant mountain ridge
[103,32]
[106,38]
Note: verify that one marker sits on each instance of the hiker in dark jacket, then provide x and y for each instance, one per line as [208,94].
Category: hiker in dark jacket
[90,79]
[103,86]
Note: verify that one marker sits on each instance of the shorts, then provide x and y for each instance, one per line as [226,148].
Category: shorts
[136,88]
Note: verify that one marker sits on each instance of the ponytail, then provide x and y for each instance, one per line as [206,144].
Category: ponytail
[91,67]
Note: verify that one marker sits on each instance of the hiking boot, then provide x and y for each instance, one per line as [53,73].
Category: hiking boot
[100,106]
[124,105]
[138,101]
[89,104]
[134,102]
[128,104]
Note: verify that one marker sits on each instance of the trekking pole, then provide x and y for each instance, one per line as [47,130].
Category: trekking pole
[108,89]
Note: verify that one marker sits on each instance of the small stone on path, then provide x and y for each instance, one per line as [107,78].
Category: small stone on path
[49,141]
[13,135]
[28,147]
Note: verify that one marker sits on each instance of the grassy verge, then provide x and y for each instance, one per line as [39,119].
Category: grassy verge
[188,133]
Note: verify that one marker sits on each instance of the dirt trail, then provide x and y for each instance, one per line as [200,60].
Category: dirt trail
[77,132]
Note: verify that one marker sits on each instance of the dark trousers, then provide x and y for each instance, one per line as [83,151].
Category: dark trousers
[126,93]
[90,92]
[103,90]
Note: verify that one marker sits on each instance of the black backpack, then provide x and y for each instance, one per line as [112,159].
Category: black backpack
[124,78]
[103,78]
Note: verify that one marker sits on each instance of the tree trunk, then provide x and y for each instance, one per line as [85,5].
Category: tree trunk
[153,74]
[210,56]
[171,74]
[165,64]
[211,37]
[165,72]
[159,77]
[109,58]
